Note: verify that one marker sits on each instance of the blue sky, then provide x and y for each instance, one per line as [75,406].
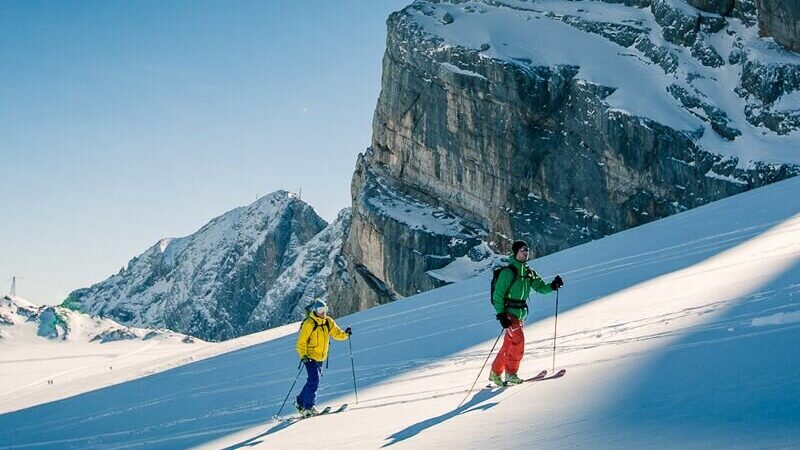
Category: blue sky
[125,122]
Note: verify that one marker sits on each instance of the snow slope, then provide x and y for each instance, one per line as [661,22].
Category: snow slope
[677,334]
[50,352]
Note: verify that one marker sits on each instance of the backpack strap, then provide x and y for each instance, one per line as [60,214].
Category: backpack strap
[325,325]
[510,302]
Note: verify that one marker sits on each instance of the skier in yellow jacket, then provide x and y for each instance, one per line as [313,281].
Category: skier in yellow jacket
[313,342]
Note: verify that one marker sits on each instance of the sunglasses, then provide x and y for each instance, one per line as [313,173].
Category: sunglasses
[524,249]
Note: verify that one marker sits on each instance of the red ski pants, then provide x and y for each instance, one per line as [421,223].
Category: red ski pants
[511,352]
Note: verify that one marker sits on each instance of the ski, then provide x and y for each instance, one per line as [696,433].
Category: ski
[341,408]
[325,411]
[540,376]
[558,374]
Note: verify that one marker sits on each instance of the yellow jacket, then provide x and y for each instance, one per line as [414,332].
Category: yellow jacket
[314,337]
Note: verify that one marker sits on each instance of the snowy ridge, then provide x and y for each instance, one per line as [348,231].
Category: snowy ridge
[680,333]
[63,324]
[559,122]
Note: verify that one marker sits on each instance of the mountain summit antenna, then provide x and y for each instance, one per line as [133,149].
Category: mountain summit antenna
[13,292]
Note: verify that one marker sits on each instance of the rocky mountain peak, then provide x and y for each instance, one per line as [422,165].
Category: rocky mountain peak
[208,283]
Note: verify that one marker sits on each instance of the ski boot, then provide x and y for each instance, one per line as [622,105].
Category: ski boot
[495,378]
[299,408]
[512,378]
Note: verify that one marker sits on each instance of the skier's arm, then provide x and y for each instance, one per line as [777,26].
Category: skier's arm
[539,285]
[336,332]
[302,338]
[500,288]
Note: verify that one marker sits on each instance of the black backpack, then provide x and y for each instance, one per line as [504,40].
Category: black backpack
[496,275]
[507,302]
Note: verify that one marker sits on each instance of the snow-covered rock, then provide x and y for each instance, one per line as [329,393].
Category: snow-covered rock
[781,20]
[22,320]
[722,7]
[561,122]
[119,334]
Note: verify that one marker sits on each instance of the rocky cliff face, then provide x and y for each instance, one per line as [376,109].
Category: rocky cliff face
[721,7]
[397,237]
[557,122]
[781,20]
[239,273]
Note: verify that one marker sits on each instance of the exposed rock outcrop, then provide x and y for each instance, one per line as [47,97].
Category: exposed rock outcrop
[780,19]
[721,7]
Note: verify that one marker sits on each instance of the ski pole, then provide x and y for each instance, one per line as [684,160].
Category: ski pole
[482,367]
[555,334]
[353,366]
[300,369]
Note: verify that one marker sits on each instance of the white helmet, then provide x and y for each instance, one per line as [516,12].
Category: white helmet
[319,307]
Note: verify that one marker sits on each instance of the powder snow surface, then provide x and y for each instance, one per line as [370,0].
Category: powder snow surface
[675,334]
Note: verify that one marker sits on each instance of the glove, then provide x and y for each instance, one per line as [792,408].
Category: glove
[557,283]
[305,359]
[348,331]
[505,322]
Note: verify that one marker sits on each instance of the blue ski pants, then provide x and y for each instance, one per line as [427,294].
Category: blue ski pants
[308,396]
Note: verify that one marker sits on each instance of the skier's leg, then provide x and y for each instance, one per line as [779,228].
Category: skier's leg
[308,395]
[516,347]
[500,361]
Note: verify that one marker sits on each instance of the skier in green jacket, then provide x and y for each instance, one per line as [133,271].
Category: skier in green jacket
[511,292]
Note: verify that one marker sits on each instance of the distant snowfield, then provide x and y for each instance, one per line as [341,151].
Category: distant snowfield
[27,366]
[677,334]
[35,369]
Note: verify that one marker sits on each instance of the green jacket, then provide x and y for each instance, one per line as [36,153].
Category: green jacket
[526,280]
